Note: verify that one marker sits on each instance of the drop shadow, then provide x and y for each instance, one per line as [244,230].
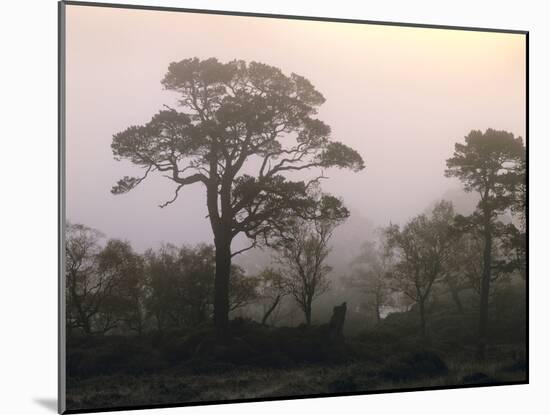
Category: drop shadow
[48,403]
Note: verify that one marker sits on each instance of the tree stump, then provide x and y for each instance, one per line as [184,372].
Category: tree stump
[336,325]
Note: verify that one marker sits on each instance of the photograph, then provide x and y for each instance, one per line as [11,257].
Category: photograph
[259,207]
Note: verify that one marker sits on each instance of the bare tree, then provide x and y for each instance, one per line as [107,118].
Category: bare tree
[421,247]
[84,288]
[243,289]
[303,251]
[103,283]
[272,289]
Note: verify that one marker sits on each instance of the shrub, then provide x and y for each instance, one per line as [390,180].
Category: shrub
[414,366]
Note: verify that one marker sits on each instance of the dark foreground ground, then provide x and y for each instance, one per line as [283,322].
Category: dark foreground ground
[253,362]
[258,362]
[175,386]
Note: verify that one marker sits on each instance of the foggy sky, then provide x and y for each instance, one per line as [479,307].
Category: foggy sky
[400,96]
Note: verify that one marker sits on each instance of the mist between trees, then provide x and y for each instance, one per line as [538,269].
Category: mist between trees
[442,286]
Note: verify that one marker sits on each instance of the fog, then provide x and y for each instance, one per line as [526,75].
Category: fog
[400,96]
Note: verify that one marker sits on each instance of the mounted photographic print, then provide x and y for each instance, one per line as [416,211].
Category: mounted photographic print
[258,207]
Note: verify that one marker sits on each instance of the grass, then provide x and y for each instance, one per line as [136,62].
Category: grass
[179,385]
[258,362]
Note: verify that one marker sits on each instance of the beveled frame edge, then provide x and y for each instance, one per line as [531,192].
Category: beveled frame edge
[61,311]
[292,17]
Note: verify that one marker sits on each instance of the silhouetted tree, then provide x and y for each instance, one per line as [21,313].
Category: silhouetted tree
[195,283]
[490,164]
[85,289]
[517,186]
[183,280]
[421,248]
[463,266]
[163,281]
[234,113]
[124,300]
[513,245]
[303,249]
[181,285]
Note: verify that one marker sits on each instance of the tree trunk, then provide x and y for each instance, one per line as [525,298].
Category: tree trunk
[485,286]
[270,310]
[307,312]
[221,282]
[336,324]
[421,307]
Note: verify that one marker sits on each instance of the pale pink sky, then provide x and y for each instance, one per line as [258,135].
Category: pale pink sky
[400,96]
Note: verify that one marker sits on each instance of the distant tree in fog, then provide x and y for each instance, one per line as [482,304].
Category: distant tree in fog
[463,266]
[243,289]
[233,113]
[492,164]
[303,250]
[372,272]
[421,247]
[273,287]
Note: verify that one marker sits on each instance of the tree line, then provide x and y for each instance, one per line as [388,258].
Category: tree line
[458,252]
[240,132]
[111,288]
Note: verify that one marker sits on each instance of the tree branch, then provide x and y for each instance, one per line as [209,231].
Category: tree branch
[240,251]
